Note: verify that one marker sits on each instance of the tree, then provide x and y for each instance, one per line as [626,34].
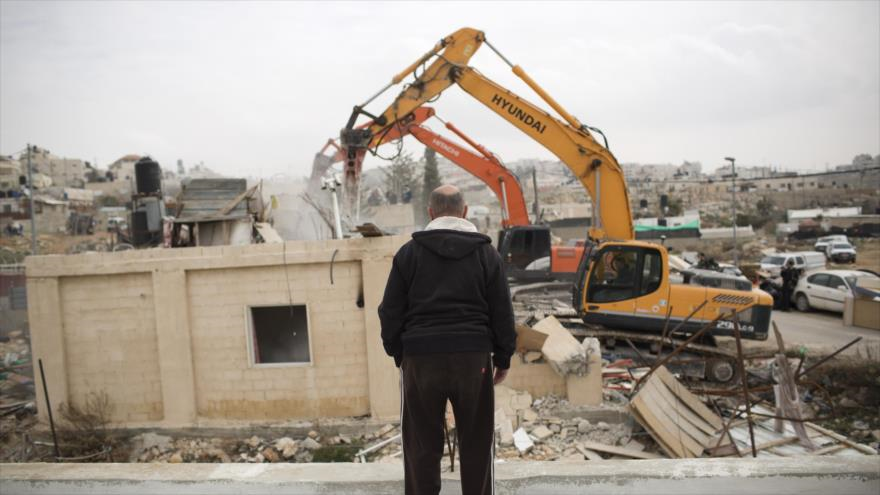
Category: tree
[765,206]
[401,178]
[674,207]
[430,177]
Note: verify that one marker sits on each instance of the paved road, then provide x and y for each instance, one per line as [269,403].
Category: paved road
[818,331]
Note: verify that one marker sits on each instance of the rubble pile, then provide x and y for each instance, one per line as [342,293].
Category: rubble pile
[152,447]
[16,371]
[533,430]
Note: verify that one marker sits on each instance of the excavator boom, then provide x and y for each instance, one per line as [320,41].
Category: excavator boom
[594,165]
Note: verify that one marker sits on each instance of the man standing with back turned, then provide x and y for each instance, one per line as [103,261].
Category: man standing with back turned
[448,322]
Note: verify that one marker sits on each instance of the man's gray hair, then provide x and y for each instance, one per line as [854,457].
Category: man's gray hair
[447,201]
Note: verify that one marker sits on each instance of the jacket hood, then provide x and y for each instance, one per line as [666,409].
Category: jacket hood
[451,223]
[448,243]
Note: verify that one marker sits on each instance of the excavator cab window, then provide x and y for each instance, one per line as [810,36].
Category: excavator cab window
[521,246]
[624,272]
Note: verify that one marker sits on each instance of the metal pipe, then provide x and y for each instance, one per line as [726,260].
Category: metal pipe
[826,358]
[49,409]
[547,98]
[680,347]
[733,196]
[378,446]
[498,53]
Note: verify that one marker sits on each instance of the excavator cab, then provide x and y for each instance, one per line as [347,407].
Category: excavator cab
[525,251]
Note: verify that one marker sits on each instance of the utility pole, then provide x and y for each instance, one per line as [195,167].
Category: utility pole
[733,196]
[31,204]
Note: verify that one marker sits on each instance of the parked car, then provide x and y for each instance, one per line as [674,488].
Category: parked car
[826,289]
[803,260]
[841,252]
[823,242]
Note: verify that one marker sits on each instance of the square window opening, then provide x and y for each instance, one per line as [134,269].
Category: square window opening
[280,334]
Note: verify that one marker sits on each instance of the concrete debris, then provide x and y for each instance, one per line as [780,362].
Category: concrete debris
[564,353]
[284,443]
[512,401]
[522,441]
[505,427]
[584,426]
[541,433]
[150,440]
[532,356]
[270,454]
[529,340]
[529,415]
[152,447]
[310,444]
[384,431]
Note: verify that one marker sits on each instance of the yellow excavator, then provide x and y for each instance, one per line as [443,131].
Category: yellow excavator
[622,283]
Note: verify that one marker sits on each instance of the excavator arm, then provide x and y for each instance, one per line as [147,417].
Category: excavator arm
[352,171]
[483,165]
[593,164]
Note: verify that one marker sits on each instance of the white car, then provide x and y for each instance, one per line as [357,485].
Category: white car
[803,260]
[826,289]
[841,252]
[823,242]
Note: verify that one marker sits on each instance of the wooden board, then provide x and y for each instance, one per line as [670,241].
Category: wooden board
[666,437]
[611,449]
[688,397]
[681,424]
[687,434]
[704,428]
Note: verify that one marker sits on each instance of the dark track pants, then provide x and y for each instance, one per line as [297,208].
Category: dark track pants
[427,381]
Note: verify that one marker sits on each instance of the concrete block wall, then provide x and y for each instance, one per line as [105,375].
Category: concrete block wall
[164,332]
[110,343]
[228,385]
[538,379]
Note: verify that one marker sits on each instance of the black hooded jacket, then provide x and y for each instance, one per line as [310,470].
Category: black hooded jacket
[447,292]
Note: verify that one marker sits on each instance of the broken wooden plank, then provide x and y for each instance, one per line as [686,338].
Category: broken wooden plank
[667,413]
[688,397]
[667,436]
[681,424]
[589,454]
[611,449]
[705,429]
[830,449]
[840,438]
[235,201]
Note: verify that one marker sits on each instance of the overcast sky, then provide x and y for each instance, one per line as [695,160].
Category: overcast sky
[257,88]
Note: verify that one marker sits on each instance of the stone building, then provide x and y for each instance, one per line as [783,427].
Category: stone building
[10,171]
[64,172]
